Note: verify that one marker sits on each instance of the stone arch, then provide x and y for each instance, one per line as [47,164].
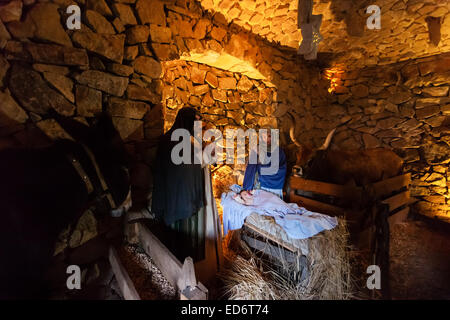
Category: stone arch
[204,37]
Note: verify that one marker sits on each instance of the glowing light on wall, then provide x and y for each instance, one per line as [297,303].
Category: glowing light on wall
[334,75]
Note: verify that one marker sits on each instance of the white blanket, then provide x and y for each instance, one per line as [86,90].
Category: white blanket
[298,222]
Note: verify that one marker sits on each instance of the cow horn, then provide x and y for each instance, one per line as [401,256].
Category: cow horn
[292,129]
[327,142]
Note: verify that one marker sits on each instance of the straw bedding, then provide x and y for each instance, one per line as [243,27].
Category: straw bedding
[250,275]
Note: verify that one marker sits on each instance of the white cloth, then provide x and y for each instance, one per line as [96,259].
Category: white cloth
[298,222]
[278,192]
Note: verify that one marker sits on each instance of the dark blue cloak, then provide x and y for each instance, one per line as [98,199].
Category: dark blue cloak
[274,181]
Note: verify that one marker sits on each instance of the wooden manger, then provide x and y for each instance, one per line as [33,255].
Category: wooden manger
[368,210]
[317,267]
[276,248]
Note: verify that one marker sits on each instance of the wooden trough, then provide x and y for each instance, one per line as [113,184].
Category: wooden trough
[180,275]
[184,277]
[126,285]
[275,248]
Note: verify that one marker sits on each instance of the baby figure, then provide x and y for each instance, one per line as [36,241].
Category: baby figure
[245,197]
[264,201]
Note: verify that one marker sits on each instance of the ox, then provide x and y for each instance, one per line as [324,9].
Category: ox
[43,190]
[343,166]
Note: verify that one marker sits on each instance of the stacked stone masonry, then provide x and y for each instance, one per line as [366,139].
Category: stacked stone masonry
[142,60]
[122,61]
[403,34]
[403,107]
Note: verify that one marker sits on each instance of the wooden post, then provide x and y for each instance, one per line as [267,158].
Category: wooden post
[187,275]
[125,284]
[199,292]
[208,267]
[131,231]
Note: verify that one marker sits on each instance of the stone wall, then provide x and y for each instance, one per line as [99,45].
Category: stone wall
[404,107]
[114,62]
[403,34]
[138,60]
[224,98]
[141,60]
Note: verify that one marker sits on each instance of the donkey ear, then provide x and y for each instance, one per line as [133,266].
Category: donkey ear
[104,127]
[76,129]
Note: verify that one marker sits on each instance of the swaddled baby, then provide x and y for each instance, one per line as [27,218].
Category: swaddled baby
[264,200]
[298,222]
[244,197]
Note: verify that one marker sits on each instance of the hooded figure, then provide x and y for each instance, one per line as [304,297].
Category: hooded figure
[255,179]
[178,193]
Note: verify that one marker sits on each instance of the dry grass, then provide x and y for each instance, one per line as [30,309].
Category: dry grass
[250,276]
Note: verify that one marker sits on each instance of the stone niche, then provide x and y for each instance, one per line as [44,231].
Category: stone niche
[226,100]
[222,97]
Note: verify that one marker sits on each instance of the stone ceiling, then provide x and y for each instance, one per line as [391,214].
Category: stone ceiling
[347,40]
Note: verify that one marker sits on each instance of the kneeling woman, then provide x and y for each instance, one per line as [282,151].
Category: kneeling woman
[178,194]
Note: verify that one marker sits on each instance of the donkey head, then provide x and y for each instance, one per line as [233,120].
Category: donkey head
[105,142]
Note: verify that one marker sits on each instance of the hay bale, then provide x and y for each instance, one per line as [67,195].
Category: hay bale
[250,276]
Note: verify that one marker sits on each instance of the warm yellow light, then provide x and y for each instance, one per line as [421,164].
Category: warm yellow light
[334,75]
[224,61]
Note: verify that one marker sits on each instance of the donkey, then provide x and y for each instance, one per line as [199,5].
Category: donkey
[43,190]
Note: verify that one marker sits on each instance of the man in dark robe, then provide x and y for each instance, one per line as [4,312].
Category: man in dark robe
[178,193]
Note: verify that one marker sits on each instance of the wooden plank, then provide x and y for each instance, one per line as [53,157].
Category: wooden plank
[207,269]
[271,237]
[203,288]
[388,186]
[278,252]
[398,200]
[398,217]
[169,265]
[322,187]
[131,231]
[187,276]
[316,206]
[125,284]
[138,215]
[199,292]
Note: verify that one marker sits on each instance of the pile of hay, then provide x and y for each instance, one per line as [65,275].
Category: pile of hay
[251,276]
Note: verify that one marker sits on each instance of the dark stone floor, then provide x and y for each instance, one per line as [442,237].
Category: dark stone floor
[420,260]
